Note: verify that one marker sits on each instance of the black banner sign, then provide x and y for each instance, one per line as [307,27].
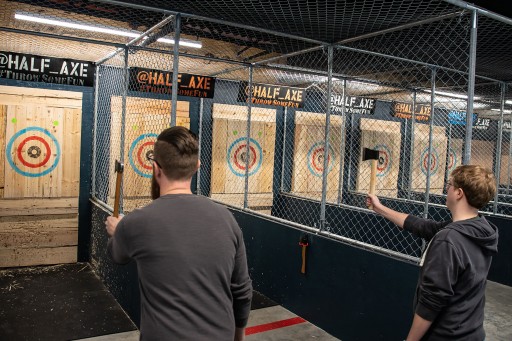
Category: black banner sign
[481,123]
[282,96]
[353,104]
[404,110]
[27,67]
[160,82]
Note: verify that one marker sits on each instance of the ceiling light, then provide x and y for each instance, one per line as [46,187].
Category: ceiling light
[451,94]
[505,111]
[78,26]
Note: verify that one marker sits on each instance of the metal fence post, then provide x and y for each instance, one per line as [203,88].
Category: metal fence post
[200,137]
[284,148]
[471,88]
[498,148]
[326,141]
[342,144]
[123,117]
[94,131]
[430,140]
[411,157]
[248,140]
[175,68]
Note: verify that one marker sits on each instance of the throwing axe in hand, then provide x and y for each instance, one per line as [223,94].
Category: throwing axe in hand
[119,177]
[373,156]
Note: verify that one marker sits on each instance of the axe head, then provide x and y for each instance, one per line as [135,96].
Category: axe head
[370,154]
[119,167]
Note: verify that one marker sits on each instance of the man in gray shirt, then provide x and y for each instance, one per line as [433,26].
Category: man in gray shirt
[189,251]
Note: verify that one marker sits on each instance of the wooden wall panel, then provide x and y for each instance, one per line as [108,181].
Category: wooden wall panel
[145,118]
[420,163]
[229,154]
[384,136]
[308,155]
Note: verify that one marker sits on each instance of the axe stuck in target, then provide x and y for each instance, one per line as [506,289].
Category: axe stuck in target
[373,156]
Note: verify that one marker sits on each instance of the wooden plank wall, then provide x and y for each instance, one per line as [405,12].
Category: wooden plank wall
[145,119]
[505,177]
[384,136]
[438,165]
[309,153]
[482,153]
[228,155]
[39,214]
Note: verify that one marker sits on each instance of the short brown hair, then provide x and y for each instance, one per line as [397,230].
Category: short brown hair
[477,182]
[176,151]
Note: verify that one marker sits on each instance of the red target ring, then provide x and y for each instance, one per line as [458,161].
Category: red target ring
[383,162]
[433,160]
[34,165]
[320,167]
[253,156]
[142,161]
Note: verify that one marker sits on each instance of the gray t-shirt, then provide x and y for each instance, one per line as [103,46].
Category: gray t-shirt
[192,268]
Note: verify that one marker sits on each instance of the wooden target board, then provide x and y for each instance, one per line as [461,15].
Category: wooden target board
[385,137]
[454,155]
[42,143]
[230,158]
[40,135]
[505,166]
[308,155]
[144,119]
[438,159]
[482,153]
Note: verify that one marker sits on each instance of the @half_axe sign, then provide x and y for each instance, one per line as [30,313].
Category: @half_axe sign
[405,110]
[32,68]
[275,95]
[160,82]
[353,104]
[459,117]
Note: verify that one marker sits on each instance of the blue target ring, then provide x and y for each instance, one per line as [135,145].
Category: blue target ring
[385,159]
[258,157]
[131,158]
[18,134]
[434,166]
[315,167]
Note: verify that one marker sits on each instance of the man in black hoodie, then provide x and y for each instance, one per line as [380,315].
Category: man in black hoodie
[450,296]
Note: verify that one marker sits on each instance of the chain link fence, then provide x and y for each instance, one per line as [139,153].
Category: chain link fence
[283,118]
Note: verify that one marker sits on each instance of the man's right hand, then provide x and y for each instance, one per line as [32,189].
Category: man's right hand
[373,202]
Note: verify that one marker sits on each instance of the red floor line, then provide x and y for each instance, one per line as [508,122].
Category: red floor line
[273,325]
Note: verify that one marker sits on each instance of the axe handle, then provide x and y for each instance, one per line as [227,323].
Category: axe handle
[373,178]
[119,177]
[303,268]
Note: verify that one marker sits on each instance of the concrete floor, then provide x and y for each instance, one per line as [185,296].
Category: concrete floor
[498,322]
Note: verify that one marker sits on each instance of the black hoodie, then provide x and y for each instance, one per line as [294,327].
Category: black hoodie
[454,267]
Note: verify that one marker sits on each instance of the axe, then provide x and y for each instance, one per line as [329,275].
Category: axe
[373,155]
[304,243]
[119,170]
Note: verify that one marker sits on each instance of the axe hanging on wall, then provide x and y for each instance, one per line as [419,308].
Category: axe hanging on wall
[373,155]
[119,170]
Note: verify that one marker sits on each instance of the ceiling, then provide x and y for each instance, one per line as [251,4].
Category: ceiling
[392,42]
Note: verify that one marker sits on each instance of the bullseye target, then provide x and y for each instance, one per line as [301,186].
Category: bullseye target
[434,161]
[140,149]
[384,162]
[452,159]
[316,159]
[32,147]
[237,156]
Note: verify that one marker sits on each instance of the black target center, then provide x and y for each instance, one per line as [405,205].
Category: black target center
[381,160]
[34,152]
[243,156]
